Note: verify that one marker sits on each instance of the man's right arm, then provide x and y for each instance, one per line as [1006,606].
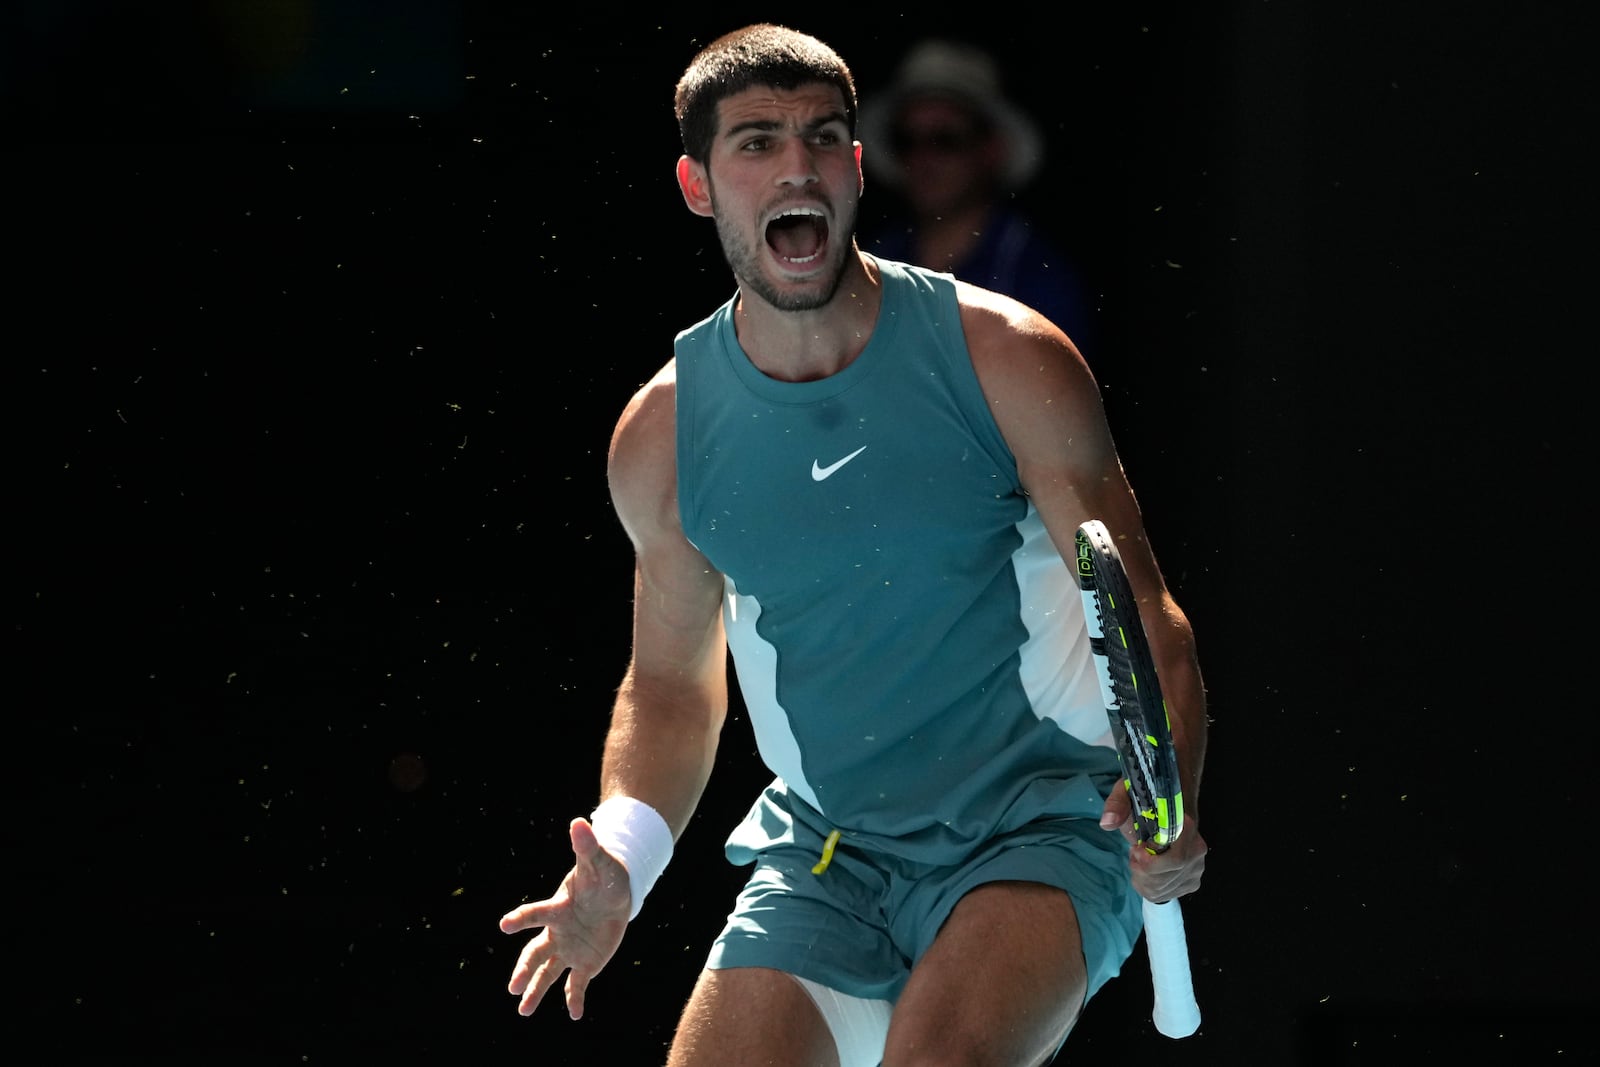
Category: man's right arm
[665,722]
[673,698]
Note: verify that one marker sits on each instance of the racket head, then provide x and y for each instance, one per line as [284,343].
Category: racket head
[1140,726]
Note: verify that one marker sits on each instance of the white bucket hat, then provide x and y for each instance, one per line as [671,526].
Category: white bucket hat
[965,73]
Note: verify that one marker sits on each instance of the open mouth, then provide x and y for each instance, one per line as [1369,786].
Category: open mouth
[798,236]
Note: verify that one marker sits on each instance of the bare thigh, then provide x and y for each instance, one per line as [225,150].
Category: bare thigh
[1002,983]
[754,1016]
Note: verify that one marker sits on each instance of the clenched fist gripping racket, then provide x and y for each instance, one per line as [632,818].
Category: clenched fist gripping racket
[1143,735]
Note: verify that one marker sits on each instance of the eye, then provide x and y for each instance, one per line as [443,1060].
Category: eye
[832,133]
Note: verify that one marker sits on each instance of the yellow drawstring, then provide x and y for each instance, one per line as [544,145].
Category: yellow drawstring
[827,853]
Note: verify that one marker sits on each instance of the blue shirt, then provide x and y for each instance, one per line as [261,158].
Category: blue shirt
[908,641]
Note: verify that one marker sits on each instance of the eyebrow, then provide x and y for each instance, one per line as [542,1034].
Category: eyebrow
[770,125]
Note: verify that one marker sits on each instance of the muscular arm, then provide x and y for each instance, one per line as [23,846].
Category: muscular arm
[670,707]
[1048,408]
[665,721]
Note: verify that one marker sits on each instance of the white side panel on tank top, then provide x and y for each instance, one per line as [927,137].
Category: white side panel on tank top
[1057,669]
[756,662]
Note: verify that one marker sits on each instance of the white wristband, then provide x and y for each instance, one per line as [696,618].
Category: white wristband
[637,837]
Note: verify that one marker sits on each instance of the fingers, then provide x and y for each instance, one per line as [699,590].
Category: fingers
[537,971]
[527,917]
[580,926]
[1117,814]
[532,956]
[577,988]
[1172,873]
[595,870]
[584,843]
[543,977]
[538,913]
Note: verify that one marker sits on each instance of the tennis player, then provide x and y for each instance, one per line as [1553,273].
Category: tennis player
[861,478]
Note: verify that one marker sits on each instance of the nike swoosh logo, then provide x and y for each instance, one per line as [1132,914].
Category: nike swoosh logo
[819,473]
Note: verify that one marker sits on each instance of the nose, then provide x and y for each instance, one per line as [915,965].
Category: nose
[798,164]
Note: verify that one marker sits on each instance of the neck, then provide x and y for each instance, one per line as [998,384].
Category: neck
[804,346]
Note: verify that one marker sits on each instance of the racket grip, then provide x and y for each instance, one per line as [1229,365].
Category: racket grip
[1176,1012]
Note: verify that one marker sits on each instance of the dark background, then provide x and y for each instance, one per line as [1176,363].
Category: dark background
[321,313]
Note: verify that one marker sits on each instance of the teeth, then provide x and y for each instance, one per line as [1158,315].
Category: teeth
[801,211]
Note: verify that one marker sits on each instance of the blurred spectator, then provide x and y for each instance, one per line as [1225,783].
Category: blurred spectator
[955,151]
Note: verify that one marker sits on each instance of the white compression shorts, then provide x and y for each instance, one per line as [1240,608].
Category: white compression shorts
[860,1026]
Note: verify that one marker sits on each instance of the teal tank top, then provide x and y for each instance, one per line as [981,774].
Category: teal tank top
[908,643]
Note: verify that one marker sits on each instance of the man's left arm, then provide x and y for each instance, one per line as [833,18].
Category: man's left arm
[1047,405]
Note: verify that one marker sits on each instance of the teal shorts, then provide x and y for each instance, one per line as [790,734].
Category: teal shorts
[863,923]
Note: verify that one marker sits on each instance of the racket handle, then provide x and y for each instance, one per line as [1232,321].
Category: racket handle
[1176,1012]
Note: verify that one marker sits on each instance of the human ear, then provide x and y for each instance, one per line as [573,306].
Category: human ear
[695,185]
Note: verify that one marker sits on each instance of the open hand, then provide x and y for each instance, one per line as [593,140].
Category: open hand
[582,923]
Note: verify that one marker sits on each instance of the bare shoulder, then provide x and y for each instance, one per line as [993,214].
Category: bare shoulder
[1023,360]
[649,412]
[1047,405]
[641,465]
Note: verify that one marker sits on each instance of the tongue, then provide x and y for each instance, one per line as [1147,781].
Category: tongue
[795,238]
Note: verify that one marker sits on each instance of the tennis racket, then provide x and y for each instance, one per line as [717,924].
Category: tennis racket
[1143,736]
